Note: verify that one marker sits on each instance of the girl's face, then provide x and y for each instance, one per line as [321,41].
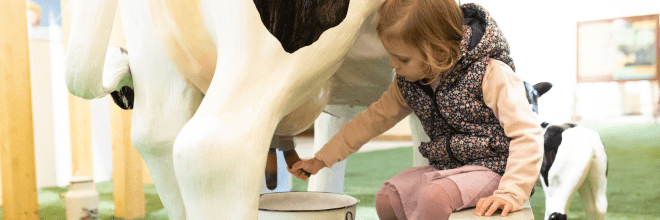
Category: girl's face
[406,59]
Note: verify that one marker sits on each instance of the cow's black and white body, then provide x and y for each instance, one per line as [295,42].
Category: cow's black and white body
[211,82]
[574,160]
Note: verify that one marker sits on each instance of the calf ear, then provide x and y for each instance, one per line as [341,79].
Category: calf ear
[529,92]
[542,87]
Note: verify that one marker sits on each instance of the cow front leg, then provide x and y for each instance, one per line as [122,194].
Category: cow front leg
[219,163]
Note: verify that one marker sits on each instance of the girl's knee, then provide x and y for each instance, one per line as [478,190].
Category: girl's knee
[384,207]
[444,195]
[382,200]
[432,192]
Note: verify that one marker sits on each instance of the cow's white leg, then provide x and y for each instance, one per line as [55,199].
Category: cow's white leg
[568,171]
[588,193]
[163,104]
[593,190]
[326,126]
[220,162]
[157,155]
[154,130]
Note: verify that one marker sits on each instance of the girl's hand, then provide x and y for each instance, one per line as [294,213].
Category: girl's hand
[491,204]
[311,166]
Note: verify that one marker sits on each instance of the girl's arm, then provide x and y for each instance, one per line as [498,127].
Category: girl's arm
[378,118]
[504,93]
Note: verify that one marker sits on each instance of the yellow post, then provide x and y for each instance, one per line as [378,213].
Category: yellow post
[80,118]
[19,183]
[128,189]
[127,172]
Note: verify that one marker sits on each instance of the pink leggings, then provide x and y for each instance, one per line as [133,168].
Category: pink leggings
[437,200]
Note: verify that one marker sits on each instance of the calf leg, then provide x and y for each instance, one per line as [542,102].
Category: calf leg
[593,190]
[570,168]
[595,204]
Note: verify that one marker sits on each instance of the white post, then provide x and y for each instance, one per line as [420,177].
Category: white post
[418,136]
[283,177]
[326,126]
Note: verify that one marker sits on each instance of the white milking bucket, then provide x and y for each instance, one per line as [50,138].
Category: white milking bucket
[307,205]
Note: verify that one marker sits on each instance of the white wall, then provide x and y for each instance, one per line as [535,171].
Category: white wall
[50,106]
[542,36]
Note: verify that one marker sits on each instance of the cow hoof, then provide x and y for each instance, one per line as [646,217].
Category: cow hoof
[123,97]
[557,216]
[271,169]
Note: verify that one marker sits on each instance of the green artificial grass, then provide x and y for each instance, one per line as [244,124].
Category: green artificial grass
[634,164]
[51,206]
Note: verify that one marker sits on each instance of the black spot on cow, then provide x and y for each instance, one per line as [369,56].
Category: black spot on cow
[552,140]
[544,124]
[299,23]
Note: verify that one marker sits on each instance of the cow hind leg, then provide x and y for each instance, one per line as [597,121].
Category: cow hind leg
[161,169]
[589,192]
[153,133]
[557,200]
[593,190]
[568,172]
[155,147]
[219,165]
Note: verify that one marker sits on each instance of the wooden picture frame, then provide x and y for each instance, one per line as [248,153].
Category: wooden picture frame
[618,49]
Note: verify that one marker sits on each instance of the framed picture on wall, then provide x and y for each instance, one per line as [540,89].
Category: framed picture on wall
[619,49]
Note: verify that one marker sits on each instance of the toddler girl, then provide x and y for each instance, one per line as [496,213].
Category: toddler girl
[454,72]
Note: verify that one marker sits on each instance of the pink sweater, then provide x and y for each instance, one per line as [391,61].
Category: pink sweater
[504,93]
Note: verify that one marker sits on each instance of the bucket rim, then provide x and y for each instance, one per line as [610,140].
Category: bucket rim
[316,210]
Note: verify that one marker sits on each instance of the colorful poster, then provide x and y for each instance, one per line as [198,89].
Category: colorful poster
[618,49]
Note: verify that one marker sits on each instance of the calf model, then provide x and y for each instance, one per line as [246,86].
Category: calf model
[211,82]
[574,159]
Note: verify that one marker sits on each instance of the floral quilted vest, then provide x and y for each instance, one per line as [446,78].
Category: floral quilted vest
[463,130]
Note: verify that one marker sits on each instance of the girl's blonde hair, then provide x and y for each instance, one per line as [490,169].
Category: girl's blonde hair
[435,27]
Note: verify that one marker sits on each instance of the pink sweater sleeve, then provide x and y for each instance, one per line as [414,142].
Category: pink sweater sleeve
[378,118]
[504,93]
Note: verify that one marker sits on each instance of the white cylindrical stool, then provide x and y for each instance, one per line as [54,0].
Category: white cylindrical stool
[326,126]
[82,199]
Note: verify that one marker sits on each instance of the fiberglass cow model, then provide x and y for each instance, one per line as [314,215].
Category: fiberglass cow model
[574,159]
[212,81]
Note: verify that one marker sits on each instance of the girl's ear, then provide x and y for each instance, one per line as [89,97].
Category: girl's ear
[543,87]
